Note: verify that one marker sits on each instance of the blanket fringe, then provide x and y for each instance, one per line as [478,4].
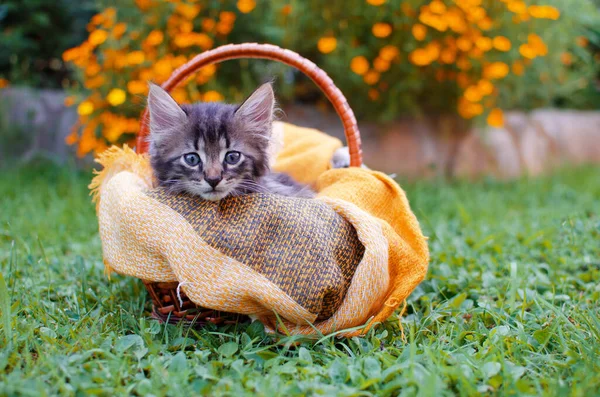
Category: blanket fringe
[116,159]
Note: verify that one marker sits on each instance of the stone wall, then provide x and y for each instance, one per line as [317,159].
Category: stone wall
[34,123]
[528,144]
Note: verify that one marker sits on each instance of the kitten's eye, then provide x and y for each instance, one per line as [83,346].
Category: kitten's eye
[232,158]
[192,159]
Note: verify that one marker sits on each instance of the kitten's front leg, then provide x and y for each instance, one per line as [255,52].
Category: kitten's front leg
[283,184]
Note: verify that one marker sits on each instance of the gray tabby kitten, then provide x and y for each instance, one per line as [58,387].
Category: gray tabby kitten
[214,150]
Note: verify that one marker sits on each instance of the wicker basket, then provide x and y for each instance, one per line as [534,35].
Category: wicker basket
[169,305]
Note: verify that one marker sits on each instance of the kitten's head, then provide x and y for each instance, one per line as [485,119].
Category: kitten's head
[210,149]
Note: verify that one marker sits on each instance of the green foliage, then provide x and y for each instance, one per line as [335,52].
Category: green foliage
[509,306]
[34,35]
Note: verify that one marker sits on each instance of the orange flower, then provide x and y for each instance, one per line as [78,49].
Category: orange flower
[517,7]
[381,65]
[85,108]
[68,102]
[227,17]
[373,94]
[95,82]
[476,53]
[97,19]
[137,87]
[468,110]
[371,77]
[209,70]
[116,96]
[178,61]
[188,11]
[389,53]
[376,2]
[88,141]
[163,68]
[495,70]
[143,4]
[496,118]
[472,94]
[381,30]
[185,27]
[212,96]
[455,20]
[208,24]
[92,69]
[155,38]
[180,95]
[501,43]
[437,7]
[485,87]
[518,68]
[359,65]
[566,58]
[135,57]
[71,138]
[484,43]
[582,41]
[547,12]
[433,50]
[537,44]
[245,6]
[98,37]
[327,44]
[448,56]
[183,40]
[485,23]
[420,57]
[224,28]
[419,31]
[113,131]
[435,21]
[464,44]
[119,30]
[527,51]
[286,10]
[71,54]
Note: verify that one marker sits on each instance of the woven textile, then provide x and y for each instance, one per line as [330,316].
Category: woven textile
[345,259]
[302,246]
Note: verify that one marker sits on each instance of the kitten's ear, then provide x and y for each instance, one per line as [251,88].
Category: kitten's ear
[258,110]
[165,113]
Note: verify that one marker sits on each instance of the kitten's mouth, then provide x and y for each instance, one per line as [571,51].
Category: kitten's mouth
[214,195]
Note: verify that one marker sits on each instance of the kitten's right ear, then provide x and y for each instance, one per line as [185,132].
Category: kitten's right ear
[256,112]
[165,113]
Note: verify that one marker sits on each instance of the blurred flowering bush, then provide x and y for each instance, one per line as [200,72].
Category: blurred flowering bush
[389,57]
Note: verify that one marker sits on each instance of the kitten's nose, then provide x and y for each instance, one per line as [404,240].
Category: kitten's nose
[213,182]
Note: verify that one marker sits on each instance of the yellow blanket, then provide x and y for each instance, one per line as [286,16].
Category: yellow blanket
[345,259]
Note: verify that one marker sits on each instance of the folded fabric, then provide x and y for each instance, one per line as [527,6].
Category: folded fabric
[344,259]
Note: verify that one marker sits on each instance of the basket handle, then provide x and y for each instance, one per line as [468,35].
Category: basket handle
[267,51]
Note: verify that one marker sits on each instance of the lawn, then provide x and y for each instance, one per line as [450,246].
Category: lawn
[509,306]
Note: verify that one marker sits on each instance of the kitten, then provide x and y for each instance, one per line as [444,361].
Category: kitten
[214,150]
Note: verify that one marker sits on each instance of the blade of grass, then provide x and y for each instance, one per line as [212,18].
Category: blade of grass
[5,307]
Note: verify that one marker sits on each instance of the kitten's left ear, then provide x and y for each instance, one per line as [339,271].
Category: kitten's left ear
[256,113]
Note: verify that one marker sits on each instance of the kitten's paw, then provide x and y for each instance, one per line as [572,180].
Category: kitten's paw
[341,158]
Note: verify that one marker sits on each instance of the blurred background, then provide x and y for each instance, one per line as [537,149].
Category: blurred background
[453,88]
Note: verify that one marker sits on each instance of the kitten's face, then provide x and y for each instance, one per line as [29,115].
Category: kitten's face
[210,149]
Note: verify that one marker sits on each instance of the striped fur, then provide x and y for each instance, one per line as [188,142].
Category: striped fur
[211,131]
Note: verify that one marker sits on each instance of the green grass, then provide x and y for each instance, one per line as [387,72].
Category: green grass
[510,304]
